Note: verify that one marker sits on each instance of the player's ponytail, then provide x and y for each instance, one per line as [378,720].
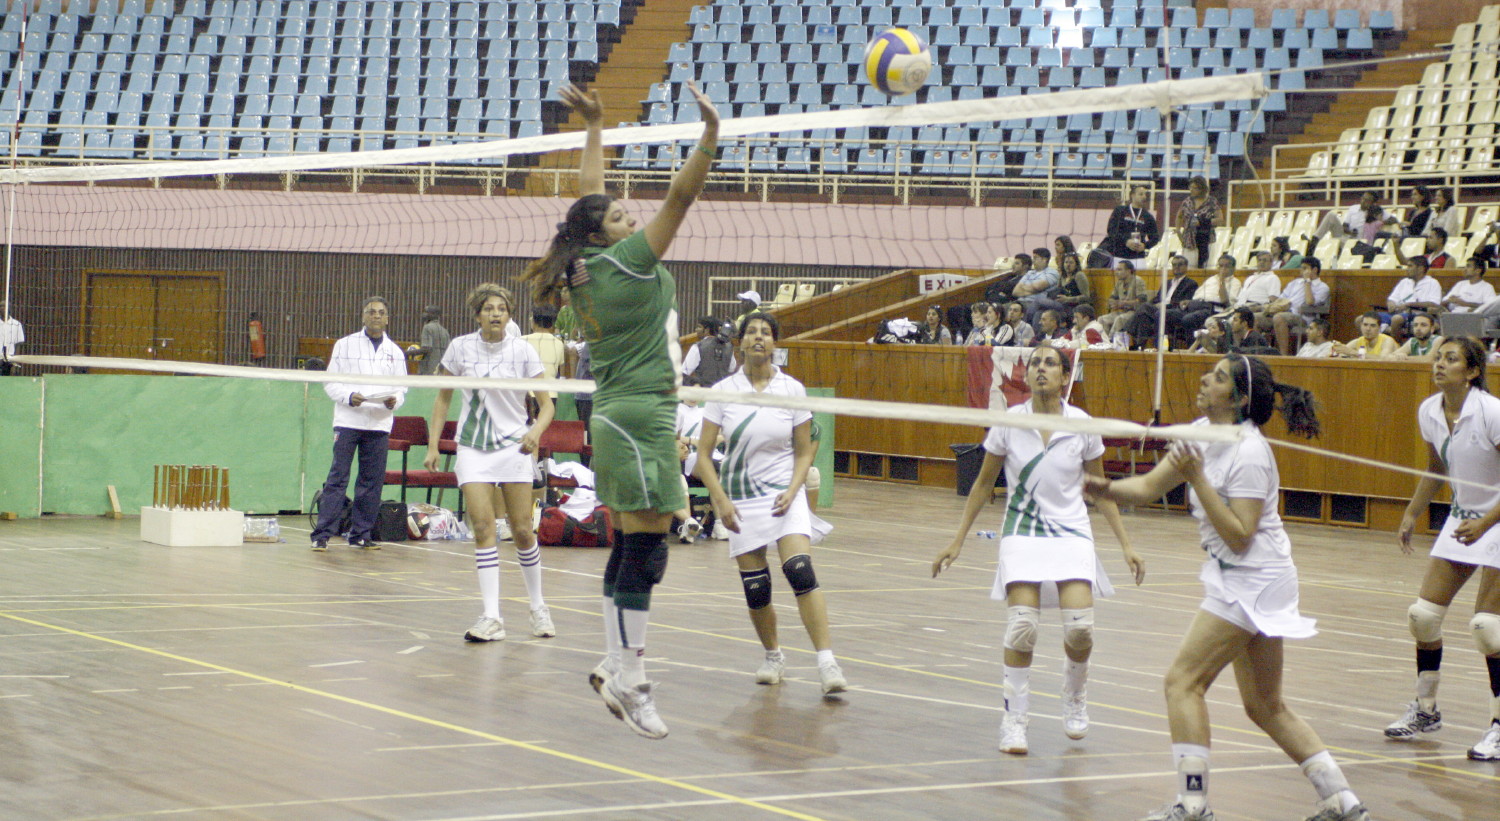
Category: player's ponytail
[548,276]
[1298,410]
[1252,378]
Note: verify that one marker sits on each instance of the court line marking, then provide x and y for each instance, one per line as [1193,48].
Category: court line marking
[432,722]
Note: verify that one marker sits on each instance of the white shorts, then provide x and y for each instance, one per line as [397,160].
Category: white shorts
[504,466]
[1486,551]
[1047,560]
[1255,599]
[758,528]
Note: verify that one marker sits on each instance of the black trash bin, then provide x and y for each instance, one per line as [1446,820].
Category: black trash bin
[970,458]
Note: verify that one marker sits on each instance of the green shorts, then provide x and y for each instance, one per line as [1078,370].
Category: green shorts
[635,453]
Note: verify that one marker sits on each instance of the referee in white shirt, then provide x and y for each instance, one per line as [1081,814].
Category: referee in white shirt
[11,335]
[362,417]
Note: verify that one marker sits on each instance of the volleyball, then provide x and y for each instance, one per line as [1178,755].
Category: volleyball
[897,62]
[417,524]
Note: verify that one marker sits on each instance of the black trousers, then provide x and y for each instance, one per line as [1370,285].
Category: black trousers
[371,446]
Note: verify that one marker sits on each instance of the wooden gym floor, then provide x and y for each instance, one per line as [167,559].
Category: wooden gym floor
[270,682]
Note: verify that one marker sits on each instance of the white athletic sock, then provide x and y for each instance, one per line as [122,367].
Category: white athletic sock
[1191,761]
[1075,677]
[824,657]
[775,655]
[1328,780]
[633,656]
[611,628]
[1017,690]
[487,567]
[1427,687]
[531,573]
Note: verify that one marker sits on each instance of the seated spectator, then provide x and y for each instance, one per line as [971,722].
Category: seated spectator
[1318,345]
[1434,240]
[1132,230]
[1424,340]
[1037,284]
[1214,296]
[985,320]
[1179,292]
[1087,330]
[1242,334]
[1351,223]
[1370,344]
[1072,290]
[1444,215]
[1016,330]
[1415,224]
[1049,328]
[1128,294]
[1197,214]
[1260,288]
[1041,260]
[1417,291]
[1470,292]
[1210,338]
[1282,255]
[1003,287]
[1303,299]
[1063,246]
[934,332]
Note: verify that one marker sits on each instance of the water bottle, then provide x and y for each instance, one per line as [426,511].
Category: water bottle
[986,534]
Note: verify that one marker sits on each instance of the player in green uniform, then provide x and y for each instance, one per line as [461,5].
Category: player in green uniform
[626,304]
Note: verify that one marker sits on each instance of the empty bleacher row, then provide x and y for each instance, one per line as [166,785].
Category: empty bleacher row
[248,78]
[779,57]
[1442,127]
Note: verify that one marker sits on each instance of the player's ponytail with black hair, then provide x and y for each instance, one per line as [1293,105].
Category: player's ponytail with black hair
[1298,409]
[548,275]
[1252,378]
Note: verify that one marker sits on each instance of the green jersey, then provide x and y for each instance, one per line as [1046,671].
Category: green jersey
[626,303]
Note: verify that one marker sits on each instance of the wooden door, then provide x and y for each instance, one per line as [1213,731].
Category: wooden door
[188,318]
[119,316]
[166,315]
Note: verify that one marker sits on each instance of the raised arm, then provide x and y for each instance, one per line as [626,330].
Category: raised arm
[591,166]
[688,182]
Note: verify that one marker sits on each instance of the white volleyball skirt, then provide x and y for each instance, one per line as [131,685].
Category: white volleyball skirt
[1047,560]
[1486,551]
[758,528]
[1255,599]
[505,465]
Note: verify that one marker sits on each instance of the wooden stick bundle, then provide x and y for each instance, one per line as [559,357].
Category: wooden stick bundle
[190,487]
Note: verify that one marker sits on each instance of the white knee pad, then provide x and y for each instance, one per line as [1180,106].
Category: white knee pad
[1426,620]
[814,479]
[1020,628]
[1486,627]
[1078,629]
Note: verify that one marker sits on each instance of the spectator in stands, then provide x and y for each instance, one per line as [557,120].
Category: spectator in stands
[1049,329]
[1242,333]
[1262,287]
[1470,292]
[749,304]
[1127,295]
[1086,330]
[1021,333]
[1444,215]
[1197,215]
[1073,287]
[1424,340]
[1211,339]
[1063,246]
[11,335]
[986,322]
[1351,223]
[1282,255]
[1132,229]
[1434,240]
[1037,285]
[553,351]
[711,358]
[1417,291]
[1370,344]
[1318,344]
[1489,251]
[433,340]
[934,332]
[1178,292]
[1303,299]
[1214,296]
[1415,224]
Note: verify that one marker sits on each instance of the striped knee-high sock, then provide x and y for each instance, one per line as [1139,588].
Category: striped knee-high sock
[531,573]
[487,567]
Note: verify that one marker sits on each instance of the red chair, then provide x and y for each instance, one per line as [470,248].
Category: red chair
[408,432]
[563,437]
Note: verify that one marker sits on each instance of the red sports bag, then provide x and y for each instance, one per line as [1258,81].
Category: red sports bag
[558,529]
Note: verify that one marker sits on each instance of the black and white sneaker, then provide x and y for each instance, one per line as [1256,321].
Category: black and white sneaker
[364,544]
[1414,721]
[320,545]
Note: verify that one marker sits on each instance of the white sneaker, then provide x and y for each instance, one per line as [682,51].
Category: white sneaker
[1414,721]
[1013,733]
[832,678]
[721,533]
[771,670]
[606,669]
[1176,812]
[486,629]
[1075,710]
[634,706]
[541,623]
[688,531]
[1488,748]
[502,530]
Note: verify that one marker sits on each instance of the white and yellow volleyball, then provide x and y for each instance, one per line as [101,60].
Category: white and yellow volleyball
[897,62]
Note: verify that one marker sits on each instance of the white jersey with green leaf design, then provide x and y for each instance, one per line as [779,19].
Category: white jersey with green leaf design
[492,419]
[758,457]
[1045,480]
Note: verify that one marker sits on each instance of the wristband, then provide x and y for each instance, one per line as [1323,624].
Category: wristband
[711,155]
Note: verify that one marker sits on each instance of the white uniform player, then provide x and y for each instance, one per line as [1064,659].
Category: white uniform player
[491,423]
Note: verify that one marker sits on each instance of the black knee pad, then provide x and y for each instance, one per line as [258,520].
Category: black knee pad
[643,562]
[757,587]
[799,574]
[612,569]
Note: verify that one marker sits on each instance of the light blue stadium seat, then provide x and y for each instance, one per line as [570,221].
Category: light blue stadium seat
[1283,19]
[1081,57]
[1092,77]
[1383,20]
[1325,38]
[1315,18]
[1018,56]
[1007,37]
[1039,37]
[1310,58]
[1049,57]
[1026,77]
[1359,38]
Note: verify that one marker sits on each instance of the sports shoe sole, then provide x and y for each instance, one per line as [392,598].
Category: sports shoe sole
[474,638]
[596,681]
[1411,735]
[1473,756]
[1078,736]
